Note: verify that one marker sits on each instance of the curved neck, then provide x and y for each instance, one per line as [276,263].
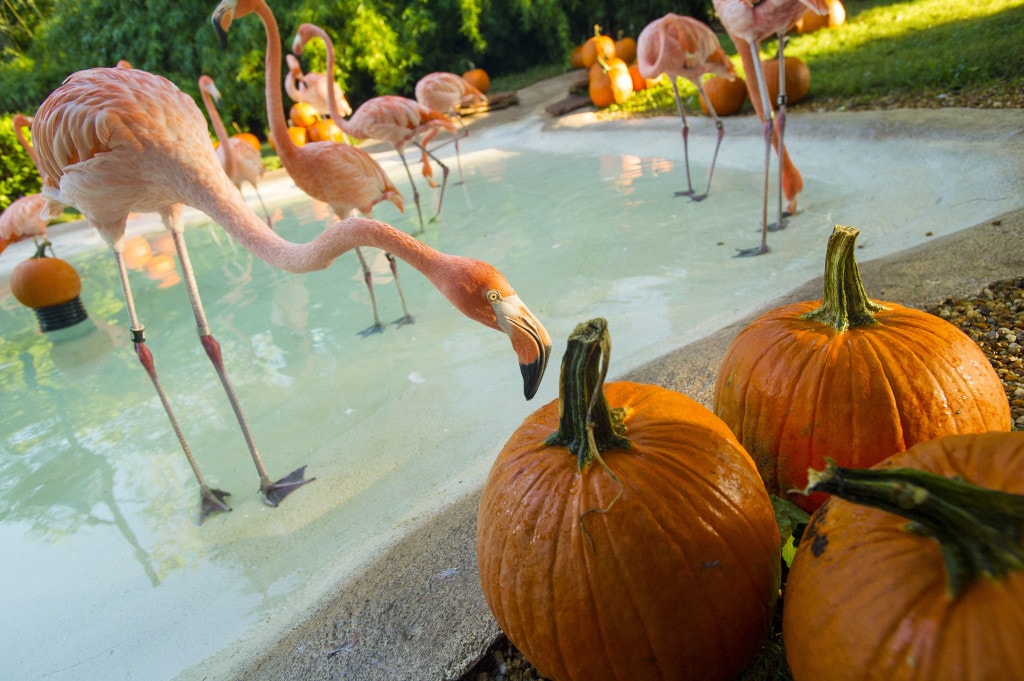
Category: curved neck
[219,130]
[272,66]
[332,100]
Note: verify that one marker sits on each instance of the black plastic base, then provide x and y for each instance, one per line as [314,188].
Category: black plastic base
[62,315]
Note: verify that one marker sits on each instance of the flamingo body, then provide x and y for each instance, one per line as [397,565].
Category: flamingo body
[748,24]
[22,219]
[683,47]
[445,92]
[311,88]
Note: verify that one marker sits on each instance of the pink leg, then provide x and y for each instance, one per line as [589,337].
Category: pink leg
[273,492]
[720,129]
[368,279]
[406,317]
[781,126]
[210,500]
[686,135]
[769,126]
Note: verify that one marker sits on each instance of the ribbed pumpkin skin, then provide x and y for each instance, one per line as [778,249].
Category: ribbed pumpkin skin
[866,599]
[795,391]
[677,580]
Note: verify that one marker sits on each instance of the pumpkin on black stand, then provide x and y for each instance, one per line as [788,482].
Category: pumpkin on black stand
[51,287]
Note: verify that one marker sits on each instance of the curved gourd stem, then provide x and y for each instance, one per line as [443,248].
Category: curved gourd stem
[979,529]
[587,426]
[845,303]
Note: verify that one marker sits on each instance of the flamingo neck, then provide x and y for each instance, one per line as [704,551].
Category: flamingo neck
[332,101]
[220,131]
[272,67]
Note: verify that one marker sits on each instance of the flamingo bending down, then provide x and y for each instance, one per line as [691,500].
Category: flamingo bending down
[240,160]
[445,92]
[685,47]
[342,176]
[113,141]
[311,88]
[22,219]
[396,120]
[748,24]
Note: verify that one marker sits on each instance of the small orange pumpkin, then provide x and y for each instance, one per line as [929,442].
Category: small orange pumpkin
[727,96]
[325,130]
[576,57]
[610,82]
[850,378]
[303,115]
[623,533]
[913,569]
[249,138]
[625,48]
[798,79]
[51,287]
[478,78]
[598,46]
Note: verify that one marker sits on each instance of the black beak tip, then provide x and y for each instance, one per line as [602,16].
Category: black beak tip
[222,35]
[532,375]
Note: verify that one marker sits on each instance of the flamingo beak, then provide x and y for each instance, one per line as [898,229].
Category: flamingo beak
[221,20]
[529,339]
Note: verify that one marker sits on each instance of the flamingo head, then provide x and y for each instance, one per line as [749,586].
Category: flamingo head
[483,294]
[226,12]
[206,83]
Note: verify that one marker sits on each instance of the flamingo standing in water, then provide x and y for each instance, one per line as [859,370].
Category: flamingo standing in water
[396,120]
[311,88]
[113,141]
[22,219]
[445,92]
[748,24]
[685,47]
[240,160]
[342,176]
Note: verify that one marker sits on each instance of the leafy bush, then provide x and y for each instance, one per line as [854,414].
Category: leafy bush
[18,176]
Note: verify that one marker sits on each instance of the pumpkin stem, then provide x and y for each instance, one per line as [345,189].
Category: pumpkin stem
[845,303]
[41,249]
[979,529]
[587,426]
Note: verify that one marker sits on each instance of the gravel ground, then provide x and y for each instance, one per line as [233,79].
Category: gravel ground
[993,318]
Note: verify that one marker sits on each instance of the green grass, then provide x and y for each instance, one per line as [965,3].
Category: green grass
[888,52]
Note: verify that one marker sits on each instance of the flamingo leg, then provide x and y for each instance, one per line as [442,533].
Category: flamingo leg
[720,128]
[210,500]
[368,278]
[263,206]
[686,134]
[769,128]
[415,191]
[444,177]
[406,318]
[463,132]
[273,492]
[780,125]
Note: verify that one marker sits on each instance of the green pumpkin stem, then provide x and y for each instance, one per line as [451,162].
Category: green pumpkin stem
[41,249]
[587,426]
[978,529]
[845,303]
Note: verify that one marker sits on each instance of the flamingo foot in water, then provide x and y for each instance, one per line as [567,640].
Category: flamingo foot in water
[212,501]
[370,330]
[402,321]
[748,252]
[275,492]
[684,192]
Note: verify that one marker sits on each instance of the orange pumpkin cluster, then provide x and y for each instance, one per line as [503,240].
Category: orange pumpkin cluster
[613,73]
[305,124]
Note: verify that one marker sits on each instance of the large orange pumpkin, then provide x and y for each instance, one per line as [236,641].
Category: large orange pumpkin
[625,48]
[478,78]
[303,115]
[850,378]
[727,96]
[325,130]
[623,533]
[798,79]
[917,572]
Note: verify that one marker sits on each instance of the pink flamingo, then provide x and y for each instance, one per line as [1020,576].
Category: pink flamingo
[311,88]
[342,176]
[748,24]
[685,47]
[445,92]
[240,160]
[113,141]
[396,120]
[22,219]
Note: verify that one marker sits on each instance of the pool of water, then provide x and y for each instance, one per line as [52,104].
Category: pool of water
[110,576]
